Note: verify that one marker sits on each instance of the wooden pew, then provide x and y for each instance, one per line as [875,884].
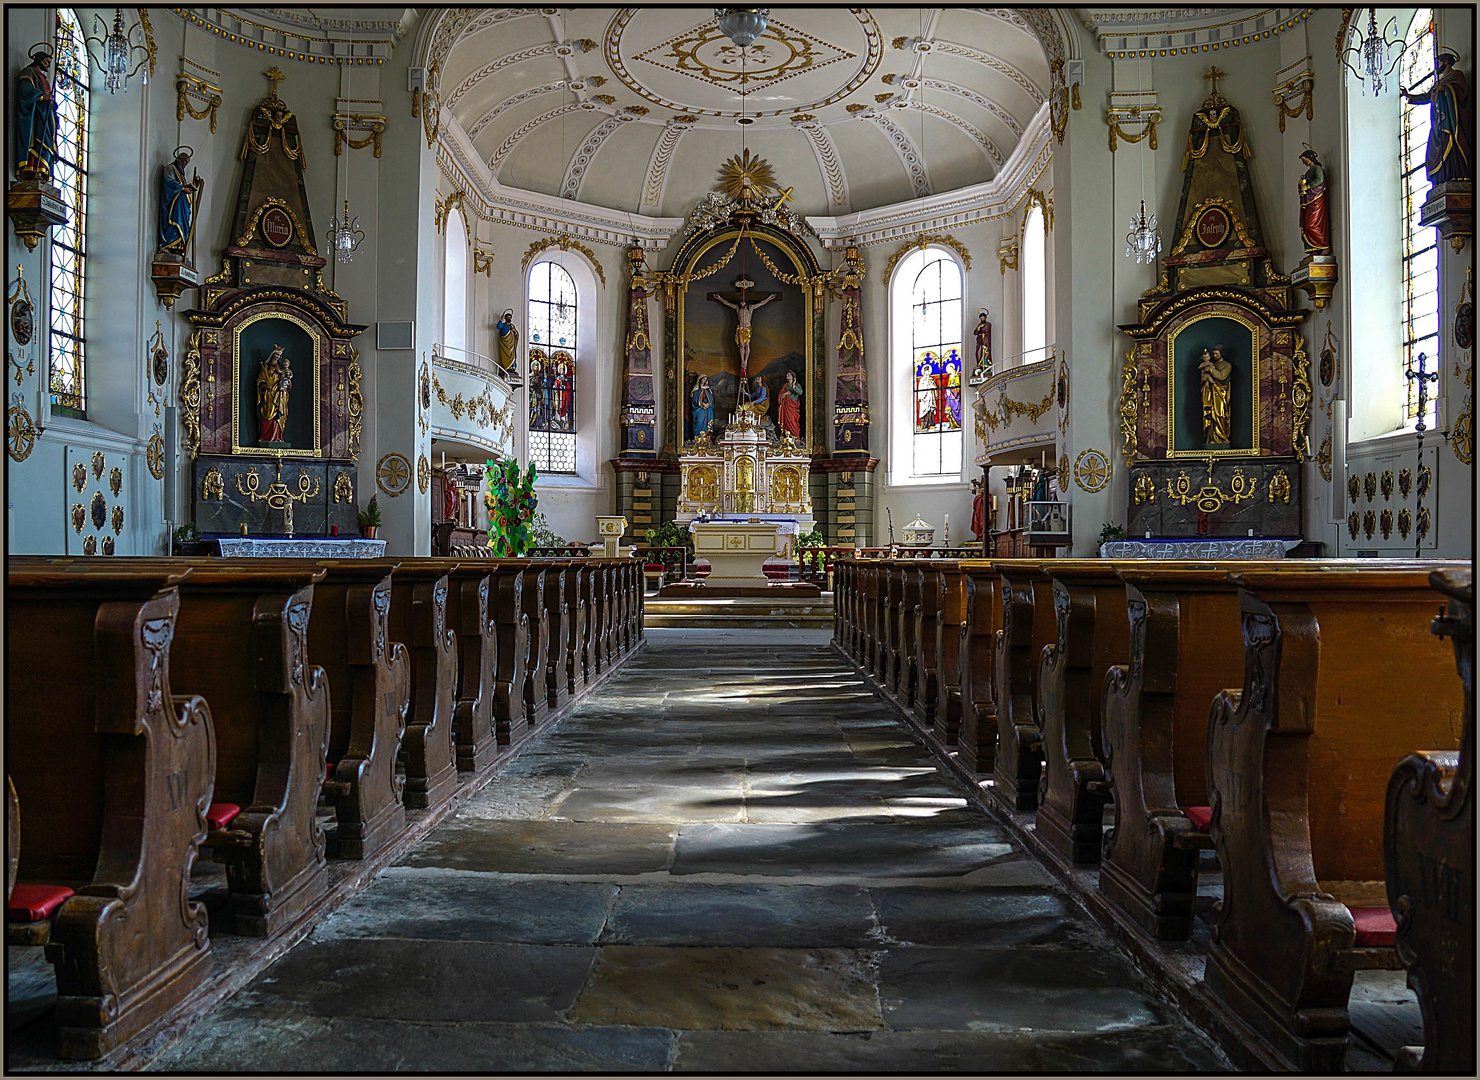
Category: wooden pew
[591,645]
[925,656]
[114,775]
[1186,644]
[976,744]
[1027,626]
[884,627]
[536,697]
[471,617]
[507,586]
[906,596]
[557,607]
[1341,678]
[841,597]
[1091,633]
[867,609]
[1429,863]
[578,594]
[950,650]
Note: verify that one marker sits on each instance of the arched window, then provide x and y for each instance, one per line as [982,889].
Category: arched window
[455,284]
[927,322]
[1420,242]
[1034,273]
[69,241]
[554,313]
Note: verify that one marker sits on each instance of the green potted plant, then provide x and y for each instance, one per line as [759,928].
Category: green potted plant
[370,518]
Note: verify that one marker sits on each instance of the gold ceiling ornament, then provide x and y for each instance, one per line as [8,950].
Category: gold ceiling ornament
[923,241]
[637,110]
[1092,470]
[1007,254]
[564,243]
[746,176]
[856,107]
[393,474]
[605,99]
[802,118]
[888,80]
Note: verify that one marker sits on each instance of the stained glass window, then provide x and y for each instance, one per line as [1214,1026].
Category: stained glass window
[935,312]
[553,311]
[69,241]
[1420,243]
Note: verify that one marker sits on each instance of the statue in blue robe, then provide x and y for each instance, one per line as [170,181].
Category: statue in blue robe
[702,401]
[35,119]
[1451,121]
[178,200]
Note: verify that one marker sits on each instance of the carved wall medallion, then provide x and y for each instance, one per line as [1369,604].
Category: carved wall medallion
[1385,523]
[155,456]
[1353,524]
[1424,522]
[1353,488]
[98,464]
[98,510]
[115,481]
[79,476]
[1405,522]
[20,432]
[117,518]
[79,517]
[213,484]
[1462,434]
[1369,523]
[1063,473]
[1330,368]
[1145,489]
[1369,486]
[89,545]
[1425,480]
[344,489]
[22,311]
[423,473]
[1405,482]
[1386,485]
[1323,457]
[1092,470]
[393,474]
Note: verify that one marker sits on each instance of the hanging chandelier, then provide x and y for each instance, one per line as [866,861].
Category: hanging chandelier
[1143,242]
[742,25]
[117,50]
[1377,54]
[345,235]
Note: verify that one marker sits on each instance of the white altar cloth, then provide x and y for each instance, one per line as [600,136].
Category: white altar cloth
[235,547]
[1197,549]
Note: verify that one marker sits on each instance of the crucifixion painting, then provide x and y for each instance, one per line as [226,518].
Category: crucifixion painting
[744,304]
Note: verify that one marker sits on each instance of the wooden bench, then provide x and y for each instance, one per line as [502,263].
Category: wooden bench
[976,744]
[114,775]
[1027,626]
[950,651]
[1429,863]
[1186,645]
[925,656]
[905,594]
[1341,679]
[536,697]
[885,628]
[1091,633]
[578,595]
[507,586]
[557,605]
[471,616]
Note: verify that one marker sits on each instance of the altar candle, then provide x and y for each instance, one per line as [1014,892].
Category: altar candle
[947,530]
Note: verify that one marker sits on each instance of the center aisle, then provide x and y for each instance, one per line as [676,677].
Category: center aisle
[732,857]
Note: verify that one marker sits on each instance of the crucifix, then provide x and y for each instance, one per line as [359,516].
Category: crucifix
[743,304]
[1213,76]
[276,76]
[1423,378]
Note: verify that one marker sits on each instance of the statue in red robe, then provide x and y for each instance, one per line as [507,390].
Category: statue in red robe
[1315,220]
[789,406]
[979,510]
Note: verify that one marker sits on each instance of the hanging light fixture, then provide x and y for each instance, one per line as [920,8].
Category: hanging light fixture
[112,54]
[1143,242]
[1377,54]
[742,25]
[345,235]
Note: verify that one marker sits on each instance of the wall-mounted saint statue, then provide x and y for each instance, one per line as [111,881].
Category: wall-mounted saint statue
[179,199]
[983,335]
[1217,396]
[1451,152]
[274,382]
[1315,221]
[35,117]
[508,341]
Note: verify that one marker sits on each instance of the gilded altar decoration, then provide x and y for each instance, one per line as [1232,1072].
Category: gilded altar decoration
[393,474]
[154,456]
[1405,523]
[423,473]
[115,481]
[1129,415]
[344,489]
[99,465]
[1405,482]
[213,485]
[190,394]
[79,517]
[1210,497]
[1279,486]
[1215,119]
[1145,489]
[278,496]
[1386,485]
[1092,470]
[117,519]
[1369,486]
[1425,522]
[356,403]
[20,431]
[190,88]
[1300,394]
[1369,523]
[89,545]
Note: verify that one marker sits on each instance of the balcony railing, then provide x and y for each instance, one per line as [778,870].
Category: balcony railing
[474,363]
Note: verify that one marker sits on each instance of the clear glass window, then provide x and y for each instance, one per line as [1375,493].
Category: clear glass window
[1034,265]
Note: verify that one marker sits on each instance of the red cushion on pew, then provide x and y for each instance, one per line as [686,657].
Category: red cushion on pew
[329,770]
[32,903]
[652,568]
[1200,816]
[222,814]
[1375,926]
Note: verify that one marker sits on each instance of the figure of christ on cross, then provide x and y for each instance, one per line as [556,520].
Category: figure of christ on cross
[744,306]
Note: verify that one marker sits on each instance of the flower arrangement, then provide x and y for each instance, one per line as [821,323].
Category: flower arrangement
[510,501]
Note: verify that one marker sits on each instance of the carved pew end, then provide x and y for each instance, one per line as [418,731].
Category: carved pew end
[29,912]
[1201,817]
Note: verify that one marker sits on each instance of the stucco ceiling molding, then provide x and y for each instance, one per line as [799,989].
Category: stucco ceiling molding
[509,102]
[581,160]
[976,99]
[909,153]
[657,171]
[986,60]
[1127,33]
[512,140]
[357,42]
[447,26]
[1007,15]
[828,162]
[493,202]
[979,136]
[471,80]
[994,199]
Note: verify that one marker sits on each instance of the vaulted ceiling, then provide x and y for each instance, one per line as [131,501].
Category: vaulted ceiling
[635,109]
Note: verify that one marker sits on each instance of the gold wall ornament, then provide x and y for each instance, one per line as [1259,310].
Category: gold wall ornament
[20,432]
[344,123]
[923,241]
[79,517]
[1007,254]
[1279,486]
[1211,497]
[344,489]
[1369,523]
[1405,523]
[79,476]
[1425,480]
[1007,408]
[154,455]
[444,208]
[1323,457]
[1386,485]
[1122,118]
[1145,489]
[746,176]
[97,510]
[1405,483]
[1129,414]
[213,485]
[99,465]
[566,243]
[1092,470]
[356,403]
[1462,433]
[1063,471]
[1385,523]
[1354,524]
[1353,488]
[393,474]
[89,545]
[423,473]
[1425,522]
[115,481]
[117,519]
[1300,394]
[188,87]
[482,260]
[1032,198]
[270,202]
[1295,96]
[107,546]
[1369,486]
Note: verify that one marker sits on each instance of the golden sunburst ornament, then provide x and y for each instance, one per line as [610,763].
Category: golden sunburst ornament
[746,175]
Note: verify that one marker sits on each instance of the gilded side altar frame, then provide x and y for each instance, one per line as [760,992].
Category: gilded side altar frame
[236,377]
[1252,450]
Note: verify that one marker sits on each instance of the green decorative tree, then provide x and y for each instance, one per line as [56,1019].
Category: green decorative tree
[511,501]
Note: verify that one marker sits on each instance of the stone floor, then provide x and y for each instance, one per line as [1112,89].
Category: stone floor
[730,858]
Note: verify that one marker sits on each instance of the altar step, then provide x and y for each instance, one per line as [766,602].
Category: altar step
[746,612]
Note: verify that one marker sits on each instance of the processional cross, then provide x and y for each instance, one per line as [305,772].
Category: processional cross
[1423,378]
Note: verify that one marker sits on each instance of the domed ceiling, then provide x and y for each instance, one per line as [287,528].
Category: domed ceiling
[635,109]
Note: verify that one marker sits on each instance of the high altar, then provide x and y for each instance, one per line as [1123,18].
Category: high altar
[744,475]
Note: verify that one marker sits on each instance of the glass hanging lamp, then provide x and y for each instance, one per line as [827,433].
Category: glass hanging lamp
[1143,242]
[742,25]
[345,235]
[1375,54]
[113,53]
